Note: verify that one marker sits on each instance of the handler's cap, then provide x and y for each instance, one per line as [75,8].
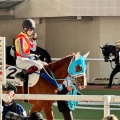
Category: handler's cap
[8,86]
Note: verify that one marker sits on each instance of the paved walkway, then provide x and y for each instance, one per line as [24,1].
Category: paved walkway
[102,87]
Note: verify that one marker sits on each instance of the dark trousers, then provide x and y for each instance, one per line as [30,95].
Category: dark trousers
[68,115]
[114,72]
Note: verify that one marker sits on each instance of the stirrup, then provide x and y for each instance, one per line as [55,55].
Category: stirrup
[20,76]
[24,71]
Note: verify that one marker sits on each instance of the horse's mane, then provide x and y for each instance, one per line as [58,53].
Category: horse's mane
[110,49]
[108,45]
[56,64]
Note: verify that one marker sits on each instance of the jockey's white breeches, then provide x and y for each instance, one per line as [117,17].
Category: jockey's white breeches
[25,63]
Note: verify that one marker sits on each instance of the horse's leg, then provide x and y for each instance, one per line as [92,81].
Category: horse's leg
[48,111]
[35,108]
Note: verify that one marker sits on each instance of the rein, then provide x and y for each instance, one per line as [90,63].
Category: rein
[72,77]
[68,78]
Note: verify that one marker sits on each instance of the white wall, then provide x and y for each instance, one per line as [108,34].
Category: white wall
[56,8]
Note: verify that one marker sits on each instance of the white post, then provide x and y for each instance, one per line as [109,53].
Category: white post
[1,108]
[107,99]
[2,69]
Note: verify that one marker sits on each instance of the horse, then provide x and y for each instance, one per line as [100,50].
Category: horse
[58,71]
[11,60]
[44,55]
[10,53]
[108,51]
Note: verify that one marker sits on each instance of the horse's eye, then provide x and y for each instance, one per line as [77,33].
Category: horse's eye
[78,68]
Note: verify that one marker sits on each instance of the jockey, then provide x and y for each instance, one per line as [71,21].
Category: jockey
[23,45]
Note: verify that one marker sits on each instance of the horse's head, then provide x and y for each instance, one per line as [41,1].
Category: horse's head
[107,50]
[77,68]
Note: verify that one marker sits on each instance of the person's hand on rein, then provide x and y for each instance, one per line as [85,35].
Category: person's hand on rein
[69,88]
[36,57]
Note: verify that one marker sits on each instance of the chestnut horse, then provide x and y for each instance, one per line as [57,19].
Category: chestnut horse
[73,65]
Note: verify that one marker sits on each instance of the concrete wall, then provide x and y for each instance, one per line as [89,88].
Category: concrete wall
[65,37]
[55,8]
[11,28]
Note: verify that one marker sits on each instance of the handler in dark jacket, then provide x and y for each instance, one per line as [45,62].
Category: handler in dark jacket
[116,69]
[64,106]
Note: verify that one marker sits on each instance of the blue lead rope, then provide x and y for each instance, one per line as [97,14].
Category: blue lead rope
[72,103]
[58,85]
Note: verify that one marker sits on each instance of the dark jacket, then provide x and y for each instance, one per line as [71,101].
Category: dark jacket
[116,59]
[63,105]
[13,107]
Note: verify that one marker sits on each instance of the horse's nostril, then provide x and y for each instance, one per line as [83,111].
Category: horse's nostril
[78,68]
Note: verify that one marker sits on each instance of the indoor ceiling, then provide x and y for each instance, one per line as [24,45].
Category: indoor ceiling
[6,6]
[9,4]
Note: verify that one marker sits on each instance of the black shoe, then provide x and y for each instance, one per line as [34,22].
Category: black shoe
[107,87]
[21,76]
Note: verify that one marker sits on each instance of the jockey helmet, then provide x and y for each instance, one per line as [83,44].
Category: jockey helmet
[28,23]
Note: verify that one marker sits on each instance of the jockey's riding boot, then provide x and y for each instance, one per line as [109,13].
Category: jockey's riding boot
[22,75]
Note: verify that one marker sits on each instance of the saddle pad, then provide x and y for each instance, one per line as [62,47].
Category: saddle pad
[11,71]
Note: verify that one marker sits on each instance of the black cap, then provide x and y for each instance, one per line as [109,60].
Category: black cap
[36,116]
[29,23]
[9,86]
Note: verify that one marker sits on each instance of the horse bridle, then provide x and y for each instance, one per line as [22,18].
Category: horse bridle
[112,54]
[71,77]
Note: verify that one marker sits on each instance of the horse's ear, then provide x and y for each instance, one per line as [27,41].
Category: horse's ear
[77,56]
[101,47]
[106,44]
[73,54]
[85,56]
